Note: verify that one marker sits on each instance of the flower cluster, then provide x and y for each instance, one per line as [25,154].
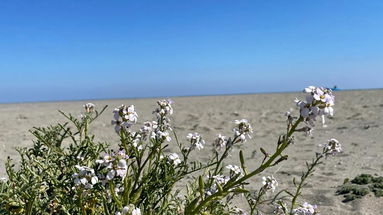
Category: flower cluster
[165,108]
[89,107]
[136,138]
[270,183]
[332,147]
[306,209]
[196,141]
[131,210]
[319,102]
[242,129]
[3,180]
[115,164]
[158,130]
[174,159]
[161,135]
[217,179]
[234,169]
[220,142]
[163,112]
[124,117]
[147,129]
[85,178]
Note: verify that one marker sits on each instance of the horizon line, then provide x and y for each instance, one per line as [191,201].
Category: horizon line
[174,96]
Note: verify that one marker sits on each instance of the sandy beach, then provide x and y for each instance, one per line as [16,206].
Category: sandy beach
[357,124]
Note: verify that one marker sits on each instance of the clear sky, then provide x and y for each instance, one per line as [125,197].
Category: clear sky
[74,49]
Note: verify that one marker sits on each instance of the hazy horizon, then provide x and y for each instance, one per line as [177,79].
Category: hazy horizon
[173,96]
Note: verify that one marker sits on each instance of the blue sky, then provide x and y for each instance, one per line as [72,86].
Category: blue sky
[64,50]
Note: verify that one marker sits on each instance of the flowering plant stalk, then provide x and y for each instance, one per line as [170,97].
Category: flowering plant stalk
[140,177]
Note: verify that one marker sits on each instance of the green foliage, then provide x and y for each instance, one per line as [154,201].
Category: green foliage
[360,186]
[67,172]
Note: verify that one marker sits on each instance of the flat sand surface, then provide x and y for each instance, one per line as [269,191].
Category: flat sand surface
[357,124]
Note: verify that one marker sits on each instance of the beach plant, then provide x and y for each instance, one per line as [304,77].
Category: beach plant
[360,186]
[67,172]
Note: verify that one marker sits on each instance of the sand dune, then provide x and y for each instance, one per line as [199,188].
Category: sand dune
[357,124]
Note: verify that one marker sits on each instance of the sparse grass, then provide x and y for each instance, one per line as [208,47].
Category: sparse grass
[360,186]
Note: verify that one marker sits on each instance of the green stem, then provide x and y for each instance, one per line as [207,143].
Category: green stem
[303,178]
[30,204]
[224,155]
[260,169]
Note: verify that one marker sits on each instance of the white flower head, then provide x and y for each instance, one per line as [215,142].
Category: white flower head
[136,211]
[121,168]
[220,142]
[106,160]
[319,102]
[175,159]
[306,209]
[309,89]
[242,129]
[164,109]
[270,183]
[148,128]
[85,178]
[115,164]
[129,210]
[235,169]
[218,179]
[125,210]
[332,147]
[110,175]
[196,140]
[161,135]
[89,107]
[124,117]
[221,179]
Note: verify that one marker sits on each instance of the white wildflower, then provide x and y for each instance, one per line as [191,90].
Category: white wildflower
[319,102]
[161,135]
[218,179]
[165,107]
[122,168]
[220,141]
[270,183]
[196,141]
[115,164]
[174,158]
[136,211]
[221,179]
[306,209]
[235,169]
[89,107]
[110,175]
[148,128]
[105,160]
[125,210]
[124,117]
[242,130]
[85,177]
[332,147]
[128,210]
[309,89]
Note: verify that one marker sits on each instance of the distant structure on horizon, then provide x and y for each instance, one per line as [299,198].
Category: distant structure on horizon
[335,88]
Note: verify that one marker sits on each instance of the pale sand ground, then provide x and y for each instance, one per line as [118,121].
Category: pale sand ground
[357,124]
